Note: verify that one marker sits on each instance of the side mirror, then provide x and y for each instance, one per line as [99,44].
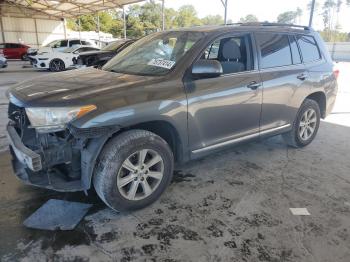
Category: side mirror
[207,68]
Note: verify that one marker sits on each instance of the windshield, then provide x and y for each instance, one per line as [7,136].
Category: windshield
[155,54]
[113,46]
[51,43]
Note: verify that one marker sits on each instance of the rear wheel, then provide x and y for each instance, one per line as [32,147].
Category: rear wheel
[57,65]
[305,126]
[133,170]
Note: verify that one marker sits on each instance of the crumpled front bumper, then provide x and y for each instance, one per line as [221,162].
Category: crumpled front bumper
[28,167]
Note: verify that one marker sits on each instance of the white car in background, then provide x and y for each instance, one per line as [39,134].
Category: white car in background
[59,61]
[60,45]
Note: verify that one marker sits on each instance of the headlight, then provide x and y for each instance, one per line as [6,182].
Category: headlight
[52,119]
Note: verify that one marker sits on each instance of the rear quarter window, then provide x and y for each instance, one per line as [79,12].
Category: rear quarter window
[309,49]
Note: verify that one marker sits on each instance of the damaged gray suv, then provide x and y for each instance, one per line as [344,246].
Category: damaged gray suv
[170,97]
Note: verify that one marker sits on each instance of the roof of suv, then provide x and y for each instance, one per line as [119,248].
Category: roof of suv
[276,27]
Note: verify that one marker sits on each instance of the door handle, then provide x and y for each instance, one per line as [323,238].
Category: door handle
[302,77]
[253,85]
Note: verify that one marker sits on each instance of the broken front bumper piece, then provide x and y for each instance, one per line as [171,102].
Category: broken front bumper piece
[23,154]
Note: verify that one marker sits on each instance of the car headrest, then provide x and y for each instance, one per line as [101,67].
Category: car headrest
[231,50]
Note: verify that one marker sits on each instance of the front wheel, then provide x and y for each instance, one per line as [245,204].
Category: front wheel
[305,126]
[133,170]
[57,65]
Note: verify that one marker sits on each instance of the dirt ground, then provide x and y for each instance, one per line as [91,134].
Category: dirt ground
[230,206]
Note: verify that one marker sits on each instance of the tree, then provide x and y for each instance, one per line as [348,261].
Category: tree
[170,18]
[248,19]
[288,17]
[299,14]
[328,13]
[212,20]
[187,16]
[317,5]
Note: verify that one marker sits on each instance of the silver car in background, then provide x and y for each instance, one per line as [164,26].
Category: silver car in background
[3,61]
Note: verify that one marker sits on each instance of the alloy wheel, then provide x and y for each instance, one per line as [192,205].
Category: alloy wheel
[140,174]
[57,65]
[307,125]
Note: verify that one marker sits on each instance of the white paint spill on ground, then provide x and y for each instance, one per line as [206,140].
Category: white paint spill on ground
[299,211]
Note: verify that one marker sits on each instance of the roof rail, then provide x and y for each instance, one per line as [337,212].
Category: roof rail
[270,24]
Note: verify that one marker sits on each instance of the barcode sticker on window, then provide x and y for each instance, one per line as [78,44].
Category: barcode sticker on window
[161,63]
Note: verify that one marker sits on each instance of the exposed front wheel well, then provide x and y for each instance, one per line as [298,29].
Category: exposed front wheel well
[320,99]
[166,131]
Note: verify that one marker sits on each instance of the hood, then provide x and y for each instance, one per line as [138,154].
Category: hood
[45,49]
[76,87]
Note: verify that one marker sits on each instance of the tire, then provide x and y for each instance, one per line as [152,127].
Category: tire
[57,65]
[297,137]
[110,170]
[24,57]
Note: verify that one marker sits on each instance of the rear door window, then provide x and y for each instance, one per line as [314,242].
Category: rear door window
[309,48]
[274,50]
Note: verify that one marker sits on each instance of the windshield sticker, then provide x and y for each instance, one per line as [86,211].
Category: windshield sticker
[161,63]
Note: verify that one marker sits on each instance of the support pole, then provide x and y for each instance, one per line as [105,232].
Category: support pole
[2,30]
[163,17]
[98,26]
[124,21]
[312,12]
[36,33]
[79,24]
[224,3]
[64,21]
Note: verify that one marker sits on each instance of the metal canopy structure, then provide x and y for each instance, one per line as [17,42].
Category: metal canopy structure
[52,9]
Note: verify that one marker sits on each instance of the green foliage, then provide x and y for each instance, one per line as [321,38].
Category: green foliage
[212,20]
[144,19]
[248,19]
[187,16]
[288,17]
[335,36]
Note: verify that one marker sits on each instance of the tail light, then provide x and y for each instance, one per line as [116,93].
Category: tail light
[336,73]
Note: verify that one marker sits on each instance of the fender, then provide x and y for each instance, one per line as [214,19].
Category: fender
[89,156]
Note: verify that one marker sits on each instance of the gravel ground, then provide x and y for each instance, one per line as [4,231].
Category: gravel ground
[230,206]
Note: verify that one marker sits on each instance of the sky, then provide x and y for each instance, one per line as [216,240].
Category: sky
[265,10]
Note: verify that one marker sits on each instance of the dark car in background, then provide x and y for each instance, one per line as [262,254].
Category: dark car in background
[101,57]
[14,50]
[171,97]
